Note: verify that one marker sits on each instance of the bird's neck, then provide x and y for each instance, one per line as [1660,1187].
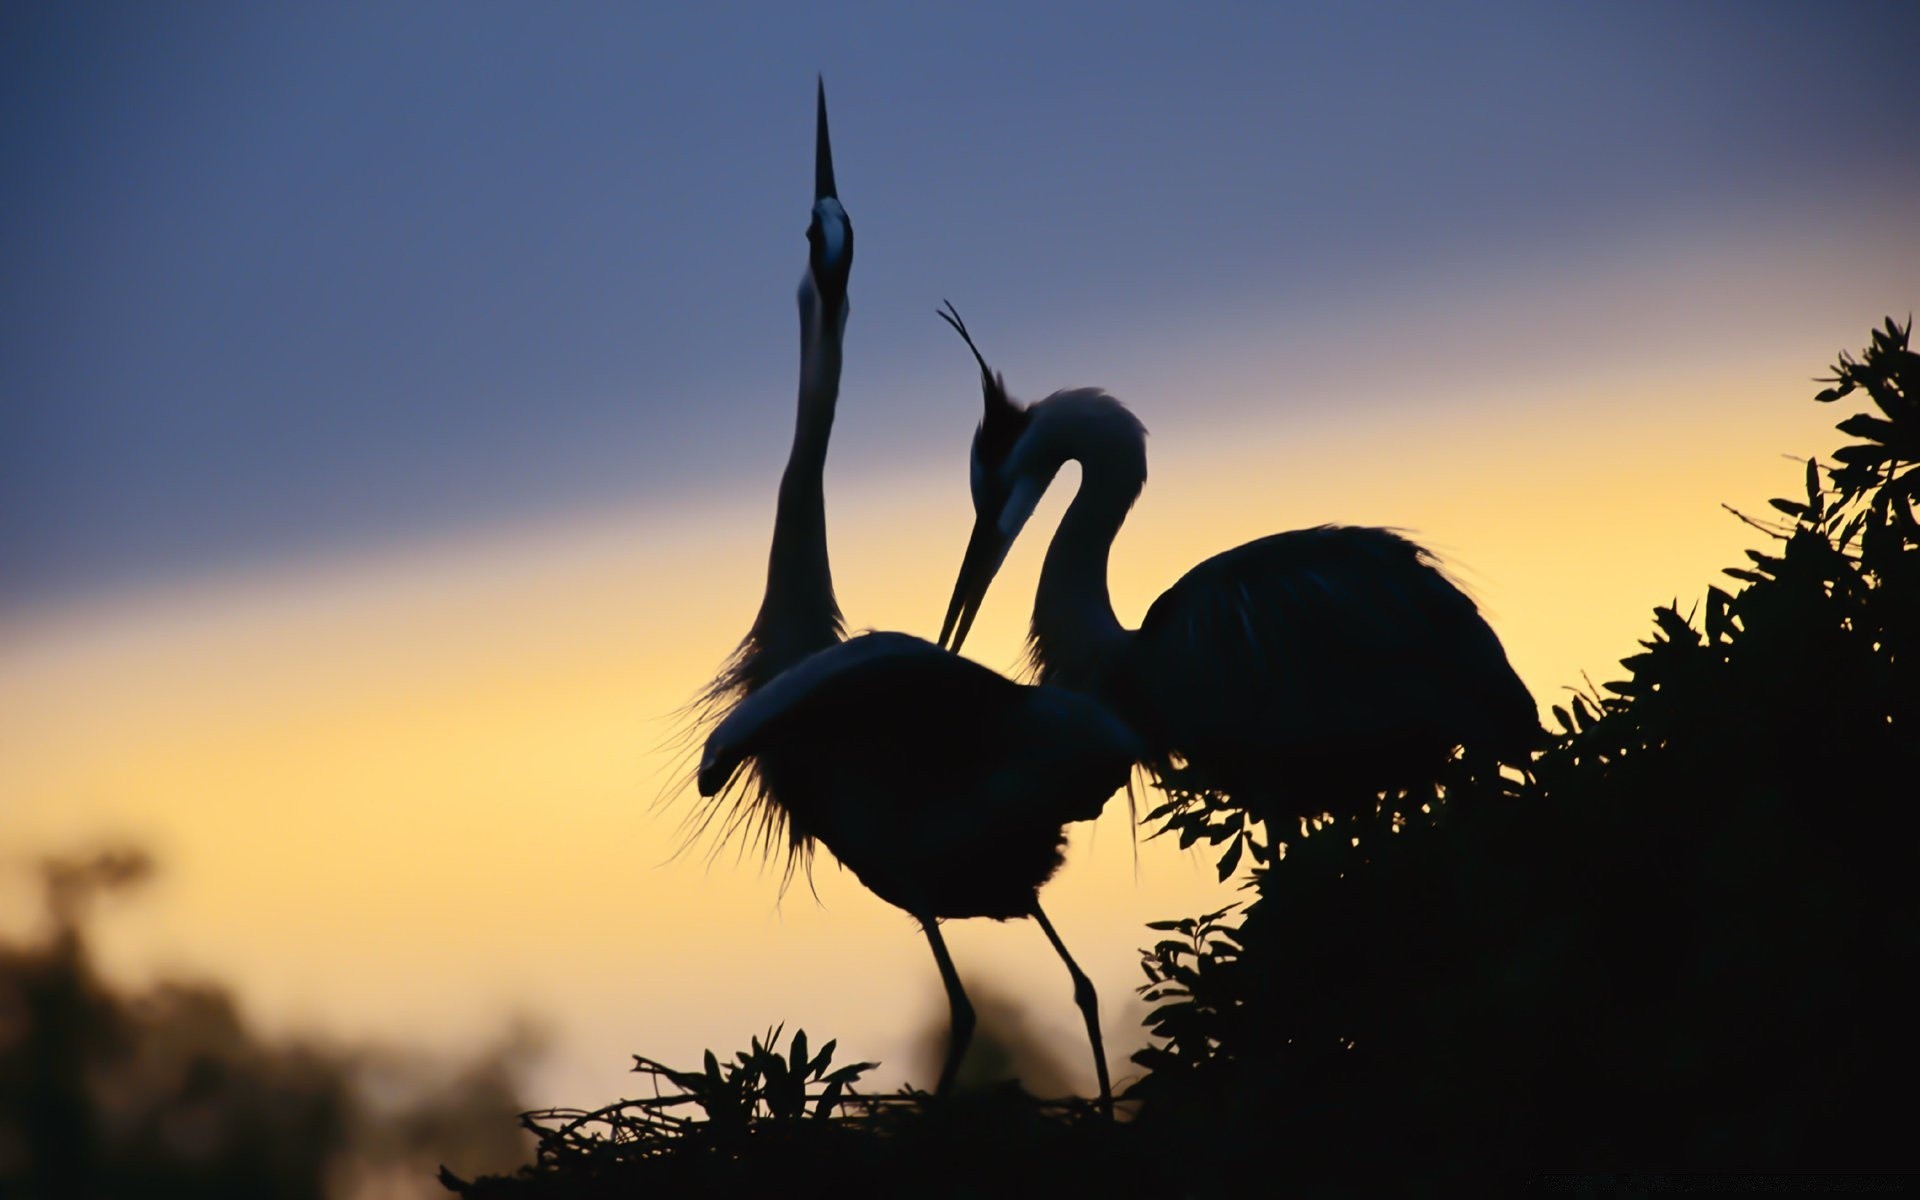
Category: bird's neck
[1075,633]
[799,614]
[820,357]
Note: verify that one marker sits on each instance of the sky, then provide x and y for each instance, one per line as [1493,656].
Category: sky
[391,403]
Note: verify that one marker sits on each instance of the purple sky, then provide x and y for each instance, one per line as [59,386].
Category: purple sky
[273,282]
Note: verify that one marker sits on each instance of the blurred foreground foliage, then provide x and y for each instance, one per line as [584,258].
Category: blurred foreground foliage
[167,1092]
[1684,940]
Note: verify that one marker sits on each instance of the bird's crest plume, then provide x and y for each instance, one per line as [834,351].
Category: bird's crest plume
[1002,421]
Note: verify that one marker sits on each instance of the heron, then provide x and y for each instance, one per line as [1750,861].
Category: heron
[943,786]
[1307,669]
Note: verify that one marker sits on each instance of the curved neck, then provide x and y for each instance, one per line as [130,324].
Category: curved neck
[1075,633]
[798,614]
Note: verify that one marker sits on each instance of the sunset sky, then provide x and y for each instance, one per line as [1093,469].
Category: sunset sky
[392,401]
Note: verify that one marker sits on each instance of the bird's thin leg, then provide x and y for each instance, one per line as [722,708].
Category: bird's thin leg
[962,1028]
[1089,1007]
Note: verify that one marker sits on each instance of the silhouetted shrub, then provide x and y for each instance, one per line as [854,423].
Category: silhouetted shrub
[773,1123]
[1684,942]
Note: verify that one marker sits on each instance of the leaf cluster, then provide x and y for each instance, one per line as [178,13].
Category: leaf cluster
[1195,814]
[760,1084]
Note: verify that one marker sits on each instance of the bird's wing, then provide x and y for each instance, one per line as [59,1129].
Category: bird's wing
[1321,639]
[872,670]
[1073,748]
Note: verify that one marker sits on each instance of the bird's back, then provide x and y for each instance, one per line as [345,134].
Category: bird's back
[1334,652]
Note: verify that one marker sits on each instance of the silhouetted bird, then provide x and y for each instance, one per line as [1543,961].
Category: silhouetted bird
[943,786]
[1301,671]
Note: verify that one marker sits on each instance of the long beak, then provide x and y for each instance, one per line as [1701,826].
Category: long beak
[830,235]
[823,188]
[986,550]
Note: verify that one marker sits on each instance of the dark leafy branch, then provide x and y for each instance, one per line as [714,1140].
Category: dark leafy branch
[1678,940]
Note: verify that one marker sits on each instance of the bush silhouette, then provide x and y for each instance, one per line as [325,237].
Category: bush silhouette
[1682,943]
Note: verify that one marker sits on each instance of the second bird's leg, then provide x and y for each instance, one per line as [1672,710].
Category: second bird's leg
[962,1028]
[1089,1007]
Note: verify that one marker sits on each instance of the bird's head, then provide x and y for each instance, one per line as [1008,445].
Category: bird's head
[830,232]
[1017,451]
[1003,498]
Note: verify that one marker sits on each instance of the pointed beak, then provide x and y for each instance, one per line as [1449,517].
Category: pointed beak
[823,188]
[986,550]
[830,235]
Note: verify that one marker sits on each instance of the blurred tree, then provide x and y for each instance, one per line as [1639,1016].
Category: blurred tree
[167,1092]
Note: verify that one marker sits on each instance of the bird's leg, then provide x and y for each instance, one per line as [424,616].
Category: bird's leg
[1089,1007]
[962,1028]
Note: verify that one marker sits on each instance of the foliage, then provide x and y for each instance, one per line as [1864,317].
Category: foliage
[1682,941]
[768,1120]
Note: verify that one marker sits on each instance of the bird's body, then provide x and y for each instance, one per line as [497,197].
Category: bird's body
[1337,658]
[944,787]
[1305,661]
